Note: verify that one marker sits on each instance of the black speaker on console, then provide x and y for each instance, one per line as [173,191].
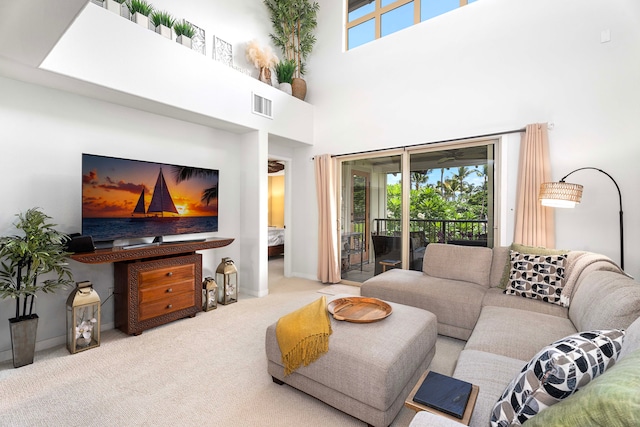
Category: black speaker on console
[78,243]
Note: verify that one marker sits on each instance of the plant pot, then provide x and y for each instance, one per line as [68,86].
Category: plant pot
[115,7]
[184,41]
[164,31]
[265,75]
[299,88]
[141,20]
[285,87]
[125,12]
[23,340]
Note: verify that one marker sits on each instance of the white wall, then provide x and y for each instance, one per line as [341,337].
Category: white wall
[43,134]
[493,65]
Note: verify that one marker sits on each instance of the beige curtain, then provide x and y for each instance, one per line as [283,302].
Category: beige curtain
[534,224]
[326,188]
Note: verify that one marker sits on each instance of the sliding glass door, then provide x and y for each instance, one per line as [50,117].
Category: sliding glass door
[451,198]
[364,204]
[386,223]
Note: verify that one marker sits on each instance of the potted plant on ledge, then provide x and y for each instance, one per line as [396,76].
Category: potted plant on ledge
[163,23]
[284,72]
[293,24]
[24,260]
[140,11]
[184,32]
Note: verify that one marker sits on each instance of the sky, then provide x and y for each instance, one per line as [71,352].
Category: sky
[434,177]
[111,188]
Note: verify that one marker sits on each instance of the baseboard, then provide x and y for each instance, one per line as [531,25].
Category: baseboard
[305,276]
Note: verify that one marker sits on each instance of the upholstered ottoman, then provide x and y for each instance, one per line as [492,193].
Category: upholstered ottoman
[370,368]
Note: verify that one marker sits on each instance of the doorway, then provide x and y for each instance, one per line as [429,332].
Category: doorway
[279,210]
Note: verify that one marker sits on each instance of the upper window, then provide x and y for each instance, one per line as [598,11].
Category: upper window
[368,20]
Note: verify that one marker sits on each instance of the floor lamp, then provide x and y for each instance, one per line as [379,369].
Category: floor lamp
[565,195]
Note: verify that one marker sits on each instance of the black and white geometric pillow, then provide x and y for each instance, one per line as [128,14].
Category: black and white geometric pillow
[556,372]
[536,276]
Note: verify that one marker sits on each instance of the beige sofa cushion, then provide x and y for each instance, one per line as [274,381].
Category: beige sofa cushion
[456,304]
[491,373]
[466,263]
[605,300]
[497,297]
[519,334]
[631,339]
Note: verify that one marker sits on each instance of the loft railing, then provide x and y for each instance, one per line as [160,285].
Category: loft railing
[437,230]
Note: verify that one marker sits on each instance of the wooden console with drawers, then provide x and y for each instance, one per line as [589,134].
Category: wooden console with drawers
[154,285]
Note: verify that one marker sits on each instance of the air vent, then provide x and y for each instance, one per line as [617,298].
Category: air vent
[262,106]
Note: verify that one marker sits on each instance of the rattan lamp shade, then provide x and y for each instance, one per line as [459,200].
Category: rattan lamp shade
[560,194]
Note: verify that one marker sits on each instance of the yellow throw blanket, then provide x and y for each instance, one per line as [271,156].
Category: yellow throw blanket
[303,335]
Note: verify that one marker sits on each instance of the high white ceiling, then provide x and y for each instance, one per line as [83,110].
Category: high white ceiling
[30,29]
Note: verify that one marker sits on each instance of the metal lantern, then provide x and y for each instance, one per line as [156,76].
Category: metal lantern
[227,279]
[83,318]
[209,294]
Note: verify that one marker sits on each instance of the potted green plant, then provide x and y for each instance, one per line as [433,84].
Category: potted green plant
[293,24]
[163,23]
[32,262]
[284,72]
[140,11]
[117,6]
[184,32]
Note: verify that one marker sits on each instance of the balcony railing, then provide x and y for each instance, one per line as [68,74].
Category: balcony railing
[473,232]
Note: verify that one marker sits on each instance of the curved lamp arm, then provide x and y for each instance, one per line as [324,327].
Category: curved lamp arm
[620,199]
[599,170]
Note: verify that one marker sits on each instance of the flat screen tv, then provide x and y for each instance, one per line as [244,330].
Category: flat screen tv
[131,199]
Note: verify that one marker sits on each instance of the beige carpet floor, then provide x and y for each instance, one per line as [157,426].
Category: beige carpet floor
[206,371]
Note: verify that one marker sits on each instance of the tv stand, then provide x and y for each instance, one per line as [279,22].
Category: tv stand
[139,245]
[183,241]
[154,283]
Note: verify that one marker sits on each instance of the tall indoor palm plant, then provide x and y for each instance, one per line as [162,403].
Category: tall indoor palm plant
[293,24]
[37,252]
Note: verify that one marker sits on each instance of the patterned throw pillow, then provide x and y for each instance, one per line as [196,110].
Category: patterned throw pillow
[536,276]
[524,249]
[609,400]
[556,372]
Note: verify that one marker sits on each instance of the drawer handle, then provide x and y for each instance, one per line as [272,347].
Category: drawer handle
[170,306]
[169,290]
[170,273]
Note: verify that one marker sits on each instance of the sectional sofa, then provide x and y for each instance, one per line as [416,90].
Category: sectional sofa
[508,334]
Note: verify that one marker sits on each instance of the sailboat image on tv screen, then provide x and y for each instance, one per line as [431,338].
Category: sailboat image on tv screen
[161,206]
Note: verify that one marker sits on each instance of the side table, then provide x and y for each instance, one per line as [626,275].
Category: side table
[389,263]
[466,418]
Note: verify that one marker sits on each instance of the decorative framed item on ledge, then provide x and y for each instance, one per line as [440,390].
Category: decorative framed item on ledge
[198,42]
[222,51]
